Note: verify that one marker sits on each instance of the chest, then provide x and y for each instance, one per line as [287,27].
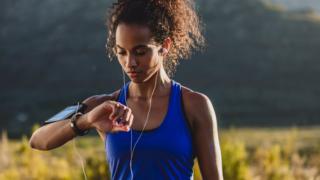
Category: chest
[169,132]
[175,142]
[153,113]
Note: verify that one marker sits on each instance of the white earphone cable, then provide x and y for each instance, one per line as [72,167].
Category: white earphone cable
[82,162]
[145,123]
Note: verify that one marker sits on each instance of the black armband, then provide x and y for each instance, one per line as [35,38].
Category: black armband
[66,113]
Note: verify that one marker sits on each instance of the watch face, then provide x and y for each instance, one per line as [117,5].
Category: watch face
[64,114]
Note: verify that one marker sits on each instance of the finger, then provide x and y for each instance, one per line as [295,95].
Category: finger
[114,110]
[124,125]
[121,113]
[115,122]
[120,128]
[117,111]
[126,116]
[130,122]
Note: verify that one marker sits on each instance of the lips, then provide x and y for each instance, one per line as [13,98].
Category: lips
[133,73]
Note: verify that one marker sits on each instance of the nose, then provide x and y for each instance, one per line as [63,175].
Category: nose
[131,61]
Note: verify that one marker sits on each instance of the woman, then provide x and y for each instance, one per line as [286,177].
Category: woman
[152,127]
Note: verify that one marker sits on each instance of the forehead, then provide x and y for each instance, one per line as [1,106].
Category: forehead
[130,35]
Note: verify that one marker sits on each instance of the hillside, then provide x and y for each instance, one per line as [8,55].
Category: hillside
[260,67]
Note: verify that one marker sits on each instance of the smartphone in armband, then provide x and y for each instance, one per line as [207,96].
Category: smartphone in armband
[66,113]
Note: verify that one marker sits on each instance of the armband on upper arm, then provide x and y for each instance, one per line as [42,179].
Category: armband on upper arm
[66,113]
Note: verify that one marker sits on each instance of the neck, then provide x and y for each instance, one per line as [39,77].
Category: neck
[144,90]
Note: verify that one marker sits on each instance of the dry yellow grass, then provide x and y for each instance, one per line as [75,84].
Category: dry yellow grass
[248,153]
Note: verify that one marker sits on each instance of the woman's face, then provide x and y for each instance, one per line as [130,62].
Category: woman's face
[137,53]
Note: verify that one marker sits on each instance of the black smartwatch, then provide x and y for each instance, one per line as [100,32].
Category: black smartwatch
[74,127]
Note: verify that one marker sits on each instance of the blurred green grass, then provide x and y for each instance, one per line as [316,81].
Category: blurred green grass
[247,153]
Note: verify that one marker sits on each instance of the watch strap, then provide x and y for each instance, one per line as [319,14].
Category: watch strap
[74,127]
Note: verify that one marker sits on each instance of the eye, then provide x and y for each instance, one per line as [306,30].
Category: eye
[121,53]
[140,51]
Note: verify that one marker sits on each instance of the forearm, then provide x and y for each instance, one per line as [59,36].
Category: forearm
[56,134]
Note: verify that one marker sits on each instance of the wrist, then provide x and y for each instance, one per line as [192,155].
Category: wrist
[79,124]
[83,123]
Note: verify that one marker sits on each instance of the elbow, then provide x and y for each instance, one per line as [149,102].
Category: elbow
[35,143]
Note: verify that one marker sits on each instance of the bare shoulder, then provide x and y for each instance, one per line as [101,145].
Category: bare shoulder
[95,100]
[198,108]
[194,97]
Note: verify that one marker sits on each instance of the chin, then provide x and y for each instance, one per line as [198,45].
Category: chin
[136,80]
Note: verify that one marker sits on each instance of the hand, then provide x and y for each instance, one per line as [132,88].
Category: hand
[110,116]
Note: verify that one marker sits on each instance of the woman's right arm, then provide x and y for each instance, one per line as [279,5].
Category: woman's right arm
[103,114]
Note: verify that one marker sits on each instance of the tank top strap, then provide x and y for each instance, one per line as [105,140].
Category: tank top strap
[176,101]
[123,93]
[178,112]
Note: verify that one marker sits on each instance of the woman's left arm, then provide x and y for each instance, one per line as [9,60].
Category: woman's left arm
[205,135]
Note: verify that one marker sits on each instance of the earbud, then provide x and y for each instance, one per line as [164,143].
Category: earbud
[163,51]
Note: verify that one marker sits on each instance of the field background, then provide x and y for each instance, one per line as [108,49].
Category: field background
[247,153]
[260,69]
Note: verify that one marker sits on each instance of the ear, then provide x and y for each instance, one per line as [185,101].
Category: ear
[166,45]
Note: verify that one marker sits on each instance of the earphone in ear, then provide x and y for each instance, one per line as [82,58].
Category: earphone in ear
[163,51]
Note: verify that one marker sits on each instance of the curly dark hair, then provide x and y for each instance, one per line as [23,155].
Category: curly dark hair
[176,19]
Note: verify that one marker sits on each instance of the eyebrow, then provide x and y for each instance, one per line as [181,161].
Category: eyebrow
[136,47]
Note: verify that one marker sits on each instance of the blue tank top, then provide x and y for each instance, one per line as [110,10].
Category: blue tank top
[165,152]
